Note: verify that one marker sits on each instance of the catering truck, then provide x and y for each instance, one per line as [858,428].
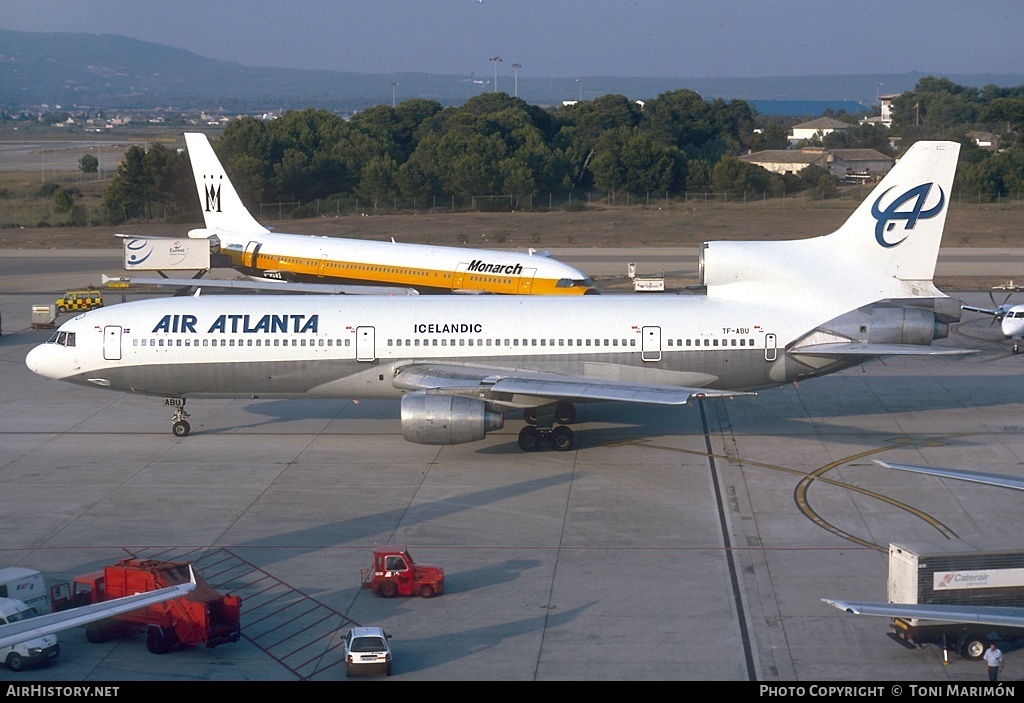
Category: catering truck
[955,573]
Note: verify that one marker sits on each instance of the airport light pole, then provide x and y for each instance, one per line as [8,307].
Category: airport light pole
[580,81]
[495,60]
[517,66]
[394,85]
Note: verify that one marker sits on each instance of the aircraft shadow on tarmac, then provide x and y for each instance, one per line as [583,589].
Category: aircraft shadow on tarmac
[435,651]
[784,410]
[365,528]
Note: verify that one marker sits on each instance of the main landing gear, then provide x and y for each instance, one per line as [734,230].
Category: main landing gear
[540,427]
[180,428]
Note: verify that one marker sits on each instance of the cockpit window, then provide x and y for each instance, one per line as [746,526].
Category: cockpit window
[65,339]
[574,283]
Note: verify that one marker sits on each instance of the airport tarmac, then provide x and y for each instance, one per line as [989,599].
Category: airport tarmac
[689,543]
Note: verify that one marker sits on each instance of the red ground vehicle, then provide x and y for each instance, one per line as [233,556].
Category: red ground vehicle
[395,574]
[203,617]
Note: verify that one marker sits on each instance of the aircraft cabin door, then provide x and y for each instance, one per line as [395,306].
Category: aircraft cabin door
[112,342]
[322,267]
[251,254]
[366,349]
[650,344]
[526,281]
[771,351]
[459,277]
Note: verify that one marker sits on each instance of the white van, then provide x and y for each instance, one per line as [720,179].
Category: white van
[34,652]
[26,585]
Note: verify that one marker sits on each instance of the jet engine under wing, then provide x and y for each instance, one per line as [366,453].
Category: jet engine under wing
[855,349]
[974,476]
[979,614]
[30,628]
[497,381]
[276,287]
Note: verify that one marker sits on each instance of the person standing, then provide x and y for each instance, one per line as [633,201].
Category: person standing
[993,661]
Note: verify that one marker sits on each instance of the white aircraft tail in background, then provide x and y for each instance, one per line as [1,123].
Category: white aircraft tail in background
[222,208]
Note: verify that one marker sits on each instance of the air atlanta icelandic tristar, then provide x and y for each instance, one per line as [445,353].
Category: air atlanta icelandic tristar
[268,256]
[773,313]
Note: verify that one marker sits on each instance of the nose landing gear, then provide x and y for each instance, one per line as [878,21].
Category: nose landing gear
[180,428]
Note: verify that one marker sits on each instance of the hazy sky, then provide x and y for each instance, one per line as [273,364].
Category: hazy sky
[563,38]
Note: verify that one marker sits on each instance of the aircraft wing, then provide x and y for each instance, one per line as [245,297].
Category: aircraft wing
[277,287]
[974,476]
[30,628]
[979,614]
[499,384]
[856,349]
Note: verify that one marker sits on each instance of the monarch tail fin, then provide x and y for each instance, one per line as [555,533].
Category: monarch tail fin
[222,208]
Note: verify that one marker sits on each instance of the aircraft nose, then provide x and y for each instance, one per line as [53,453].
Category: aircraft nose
[45,360]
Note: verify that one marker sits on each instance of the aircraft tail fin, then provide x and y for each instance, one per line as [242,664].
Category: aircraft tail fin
[222,208]
[897,230]
[887,248]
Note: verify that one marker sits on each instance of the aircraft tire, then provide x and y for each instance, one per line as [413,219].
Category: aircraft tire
[181,428]
[529,439]
[562,438]
[565,413]
[530,416]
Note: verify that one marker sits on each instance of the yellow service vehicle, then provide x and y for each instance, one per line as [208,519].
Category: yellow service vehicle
[79,300]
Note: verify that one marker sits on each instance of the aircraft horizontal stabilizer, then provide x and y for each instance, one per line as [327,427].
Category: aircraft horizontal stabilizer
[854,349]
[959,474]
[981,614]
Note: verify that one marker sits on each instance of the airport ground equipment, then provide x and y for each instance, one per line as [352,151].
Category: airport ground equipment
[394,573]
[43,316]
[31,653]
[955,573]
[27,585]
[203,617]
[79,300]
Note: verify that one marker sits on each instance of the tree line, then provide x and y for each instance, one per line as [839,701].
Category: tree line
[495,144]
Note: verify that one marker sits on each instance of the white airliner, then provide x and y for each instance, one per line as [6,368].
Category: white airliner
[999,616]
[30,628]
[773,313]
[1009,317]
[269,256]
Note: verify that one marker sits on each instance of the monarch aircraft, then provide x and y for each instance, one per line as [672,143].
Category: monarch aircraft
[264,255]
[772,313]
